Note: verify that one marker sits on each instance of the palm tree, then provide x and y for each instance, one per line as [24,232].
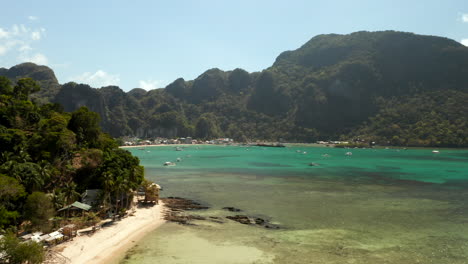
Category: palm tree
[108,182]
[69,191]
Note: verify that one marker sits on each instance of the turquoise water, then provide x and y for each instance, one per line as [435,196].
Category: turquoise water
[376,206]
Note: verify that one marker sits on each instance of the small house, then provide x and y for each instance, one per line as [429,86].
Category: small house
[75,208]
[150,193]
[91,197]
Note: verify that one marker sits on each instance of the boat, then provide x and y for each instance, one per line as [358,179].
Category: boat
[178,149]
[168,163]
[178,159]
[435,151]
[348,153]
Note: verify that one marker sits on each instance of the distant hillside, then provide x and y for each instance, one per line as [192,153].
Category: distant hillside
[332,86]
[42,74]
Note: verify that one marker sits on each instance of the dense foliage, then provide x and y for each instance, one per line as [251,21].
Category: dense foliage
[49,157]
[430,119]
[18,252]
[333,86]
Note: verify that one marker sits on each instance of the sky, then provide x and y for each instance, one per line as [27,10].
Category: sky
[149,44]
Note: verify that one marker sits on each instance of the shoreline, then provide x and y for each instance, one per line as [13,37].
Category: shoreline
[110,244]
[168,145]
[300,145]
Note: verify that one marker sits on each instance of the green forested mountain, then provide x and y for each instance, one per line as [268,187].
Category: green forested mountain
[43,75]
[361,85]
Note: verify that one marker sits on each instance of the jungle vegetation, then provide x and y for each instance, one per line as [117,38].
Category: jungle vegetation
[49,157]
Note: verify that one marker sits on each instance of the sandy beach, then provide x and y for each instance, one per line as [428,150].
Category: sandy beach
[109,244]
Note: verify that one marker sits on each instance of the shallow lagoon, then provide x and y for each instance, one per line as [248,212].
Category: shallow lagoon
[376,206]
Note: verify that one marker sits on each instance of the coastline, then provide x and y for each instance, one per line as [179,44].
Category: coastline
[110,244]
[160,145]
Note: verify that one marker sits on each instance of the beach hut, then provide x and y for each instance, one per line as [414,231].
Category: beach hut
[152,193]
[75,208]
[70,231]
[54,238]
[91,197]
[149,193]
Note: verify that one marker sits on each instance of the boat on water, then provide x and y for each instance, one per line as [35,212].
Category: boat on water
[348,153]
[435,151]
[178,149]
[168,163]
[178,159]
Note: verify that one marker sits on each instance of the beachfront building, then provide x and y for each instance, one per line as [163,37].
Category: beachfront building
[91,197]
[75,209]
[149,194]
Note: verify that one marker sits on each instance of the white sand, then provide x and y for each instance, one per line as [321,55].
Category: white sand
[109,244]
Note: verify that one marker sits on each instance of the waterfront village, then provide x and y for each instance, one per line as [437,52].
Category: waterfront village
[134,141]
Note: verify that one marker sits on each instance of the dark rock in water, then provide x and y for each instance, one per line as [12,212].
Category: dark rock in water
[178,203]
[243,219]
[216,219]
[232,209]
[181,218]
[246,220]
[176,207]
[271,226]
[259,221]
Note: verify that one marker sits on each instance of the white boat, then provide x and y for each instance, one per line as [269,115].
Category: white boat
[168,163]
[348,153]
[178,159]
[435,151]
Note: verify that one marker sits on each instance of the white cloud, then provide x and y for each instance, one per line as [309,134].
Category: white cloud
[33,18]
[17,42]
[24,48]
[97,79]
[465,18]
[464,42]
[37,58]
[36,35]
[150,84]
[3,33]
[3,50]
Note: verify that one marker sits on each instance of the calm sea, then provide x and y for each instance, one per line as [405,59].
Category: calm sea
[374,206]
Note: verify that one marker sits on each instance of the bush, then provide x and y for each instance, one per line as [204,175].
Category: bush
[17,252]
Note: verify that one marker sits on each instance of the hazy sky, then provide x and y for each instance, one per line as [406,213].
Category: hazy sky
[149,44]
